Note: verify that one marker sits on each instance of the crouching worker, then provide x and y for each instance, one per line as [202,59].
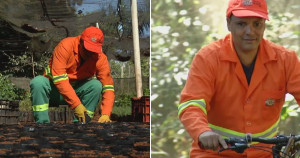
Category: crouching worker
[68,79]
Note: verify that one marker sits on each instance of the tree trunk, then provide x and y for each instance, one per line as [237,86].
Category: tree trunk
[136,45]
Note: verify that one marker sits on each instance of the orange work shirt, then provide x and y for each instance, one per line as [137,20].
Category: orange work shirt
[217,97]
[65,68]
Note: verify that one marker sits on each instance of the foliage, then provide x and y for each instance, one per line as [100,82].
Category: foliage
[178,30]
[122,69]
[145,67]
[125,20]
[127,69]
[122,111]
[175,38]
[122,105]
[123,100]
[25,104]
[109,27]
[290,108]
[146,92]
[24,65]
[8,91]
[283,29]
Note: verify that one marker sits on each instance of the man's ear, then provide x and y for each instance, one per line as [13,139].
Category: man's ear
[228,23]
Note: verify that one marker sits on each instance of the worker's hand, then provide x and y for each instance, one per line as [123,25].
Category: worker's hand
[104,118]
[212,140]
[79,112]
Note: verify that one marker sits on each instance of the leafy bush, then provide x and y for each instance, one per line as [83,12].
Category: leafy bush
[146,92]
[25,103]
[123,100]
[8,91]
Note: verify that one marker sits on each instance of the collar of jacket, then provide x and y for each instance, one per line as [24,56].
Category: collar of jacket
[77,44]
[228,53]
[75,49]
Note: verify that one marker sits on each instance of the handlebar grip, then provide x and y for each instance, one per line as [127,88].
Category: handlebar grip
[237,147]
[229,148]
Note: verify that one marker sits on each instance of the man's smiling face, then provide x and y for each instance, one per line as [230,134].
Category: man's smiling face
[247,32]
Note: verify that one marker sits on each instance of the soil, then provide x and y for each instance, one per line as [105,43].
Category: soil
[117,139]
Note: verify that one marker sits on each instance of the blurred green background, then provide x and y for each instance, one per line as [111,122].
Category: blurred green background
[178,30]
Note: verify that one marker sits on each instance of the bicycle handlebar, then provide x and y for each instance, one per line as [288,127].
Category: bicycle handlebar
[241,144]
[274,140]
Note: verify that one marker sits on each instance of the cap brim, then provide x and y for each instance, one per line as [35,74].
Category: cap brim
[92,47]
[248,13]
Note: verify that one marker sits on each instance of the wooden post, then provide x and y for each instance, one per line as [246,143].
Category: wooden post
[136,46]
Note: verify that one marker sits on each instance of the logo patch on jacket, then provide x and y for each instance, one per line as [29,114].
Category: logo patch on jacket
[270,102]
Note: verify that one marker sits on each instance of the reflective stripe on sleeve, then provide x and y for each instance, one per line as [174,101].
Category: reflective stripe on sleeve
[60,78]
[226,133]
[199,103]
[108,87]
[42,107]
[48,72]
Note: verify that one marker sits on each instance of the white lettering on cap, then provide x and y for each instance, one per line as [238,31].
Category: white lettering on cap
[93,39]
[247,2]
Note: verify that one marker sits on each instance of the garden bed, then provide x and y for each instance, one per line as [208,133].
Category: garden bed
[118,139]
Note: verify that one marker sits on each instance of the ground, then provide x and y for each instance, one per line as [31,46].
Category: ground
[118,139]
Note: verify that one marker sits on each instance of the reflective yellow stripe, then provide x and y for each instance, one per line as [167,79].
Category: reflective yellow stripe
[42,107]
[48,72]
[60,78]
[108,87]
[226,133]
[199,103]
[269,133]
[90,113]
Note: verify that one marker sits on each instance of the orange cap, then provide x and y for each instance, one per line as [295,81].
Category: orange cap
[93,39]
[248,8]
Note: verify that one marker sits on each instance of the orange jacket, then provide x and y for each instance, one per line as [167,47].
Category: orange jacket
[64,69]
[217,97]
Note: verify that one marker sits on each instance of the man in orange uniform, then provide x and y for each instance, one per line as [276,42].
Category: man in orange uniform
[237,85]
[69,79]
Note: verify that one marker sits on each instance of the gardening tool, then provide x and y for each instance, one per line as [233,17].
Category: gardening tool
[87,118]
